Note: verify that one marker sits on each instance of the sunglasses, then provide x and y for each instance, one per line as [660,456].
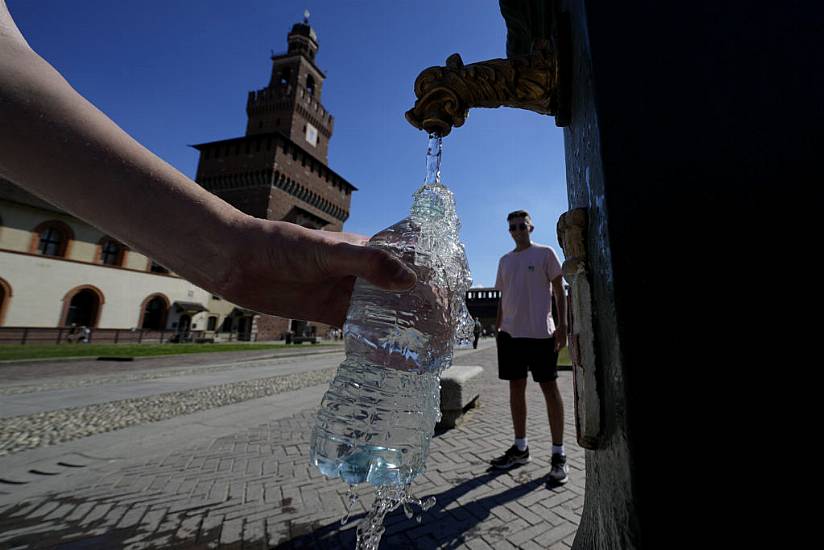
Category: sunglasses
[518,226]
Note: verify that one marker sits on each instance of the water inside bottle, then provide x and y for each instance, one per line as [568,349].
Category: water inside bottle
[376,420]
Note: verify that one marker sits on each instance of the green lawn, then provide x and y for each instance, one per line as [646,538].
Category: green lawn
[16,351]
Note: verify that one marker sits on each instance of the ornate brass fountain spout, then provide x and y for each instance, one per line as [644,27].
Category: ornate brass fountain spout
[536,81]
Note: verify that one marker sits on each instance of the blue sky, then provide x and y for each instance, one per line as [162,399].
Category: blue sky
[174,73]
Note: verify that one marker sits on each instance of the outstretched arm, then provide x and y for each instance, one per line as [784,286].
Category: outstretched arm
[57,145]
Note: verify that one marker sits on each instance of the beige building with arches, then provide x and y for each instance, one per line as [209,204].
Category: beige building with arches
[58,271]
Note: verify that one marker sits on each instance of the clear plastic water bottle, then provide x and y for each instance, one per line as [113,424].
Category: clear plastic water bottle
[377,418]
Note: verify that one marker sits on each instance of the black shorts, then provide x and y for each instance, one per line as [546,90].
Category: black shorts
[517,355]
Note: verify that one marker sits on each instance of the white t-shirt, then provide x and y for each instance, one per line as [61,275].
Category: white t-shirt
[524,279]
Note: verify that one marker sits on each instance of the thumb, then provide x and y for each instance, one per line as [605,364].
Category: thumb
[376,266]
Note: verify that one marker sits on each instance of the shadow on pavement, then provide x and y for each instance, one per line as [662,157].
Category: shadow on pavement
[445,528]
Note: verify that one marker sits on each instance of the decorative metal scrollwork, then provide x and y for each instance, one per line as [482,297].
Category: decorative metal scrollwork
[535,76]
[445,94]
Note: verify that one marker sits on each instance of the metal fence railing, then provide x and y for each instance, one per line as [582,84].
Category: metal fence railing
[65,335]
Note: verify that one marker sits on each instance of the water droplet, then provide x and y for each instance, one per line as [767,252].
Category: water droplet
[351,499]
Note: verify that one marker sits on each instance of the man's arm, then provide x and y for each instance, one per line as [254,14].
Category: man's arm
[499,286]
[58,146]
[560,304]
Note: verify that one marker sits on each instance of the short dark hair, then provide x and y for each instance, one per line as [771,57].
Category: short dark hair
[518,214]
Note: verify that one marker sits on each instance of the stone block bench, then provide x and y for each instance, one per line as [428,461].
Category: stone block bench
[460,391]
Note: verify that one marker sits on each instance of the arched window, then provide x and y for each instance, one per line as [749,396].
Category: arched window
[5,298]
[51,241]
[81,307]
[310,85]
[111,252]
[153,312]
[52,238]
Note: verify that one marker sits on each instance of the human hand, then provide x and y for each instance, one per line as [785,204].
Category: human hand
[284,269]
[560,338]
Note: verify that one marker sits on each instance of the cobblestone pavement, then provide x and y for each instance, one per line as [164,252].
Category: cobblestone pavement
[19,433]
[254,488]
[98,411]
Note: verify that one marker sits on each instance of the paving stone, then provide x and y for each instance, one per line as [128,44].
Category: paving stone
[148,524]
[528,534]
[522,512]
[555,534]
[231,531]
[43,510]
[59,512]
[499,544]
[132,517]
[256,488]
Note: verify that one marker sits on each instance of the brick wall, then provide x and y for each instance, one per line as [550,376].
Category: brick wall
[270,327]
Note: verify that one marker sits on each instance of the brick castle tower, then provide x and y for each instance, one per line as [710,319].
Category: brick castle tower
[279,169]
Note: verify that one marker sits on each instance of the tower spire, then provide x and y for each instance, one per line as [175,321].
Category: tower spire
[291,103]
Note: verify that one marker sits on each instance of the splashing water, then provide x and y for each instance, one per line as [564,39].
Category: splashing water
[376,420]
[352,498]
[387,499]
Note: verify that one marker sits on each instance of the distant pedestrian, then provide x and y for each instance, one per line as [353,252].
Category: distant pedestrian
[85,335]
[529,277]
[71,337]
[477,332]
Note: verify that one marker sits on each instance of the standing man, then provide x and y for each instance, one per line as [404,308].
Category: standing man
[477,332]
[528,278]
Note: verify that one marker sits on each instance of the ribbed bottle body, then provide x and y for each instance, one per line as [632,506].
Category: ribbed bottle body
[376,421]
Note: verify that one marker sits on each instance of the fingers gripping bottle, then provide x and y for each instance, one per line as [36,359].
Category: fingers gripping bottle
[377,418]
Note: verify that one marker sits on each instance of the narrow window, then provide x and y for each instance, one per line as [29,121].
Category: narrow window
[50,240]
[111,253]
[285,76]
